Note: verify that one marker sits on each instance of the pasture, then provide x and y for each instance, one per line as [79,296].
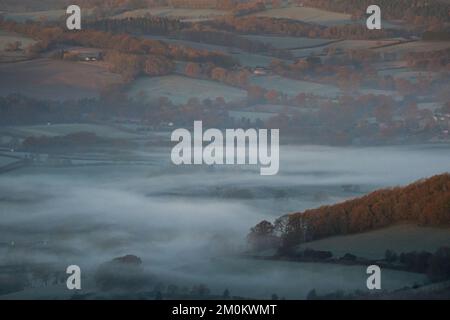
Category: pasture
[178,13]
[305,14]
[342,46]
[294,87]
[48,15]
[180,89]
[415,46]
[373,244]
[4,161]
[7,38]
[52,130]
[54,79]
[288,42]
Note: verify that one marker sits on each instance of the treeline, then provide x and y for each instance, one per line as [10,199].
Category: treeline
[352,71]
[139,25]
[19,110]
[415,11]
[438,60]
[229,39]
[426,203]
[436,265]
[250,7]
[236,23]
[185,31]
[112,104]
[207,4]
[294,28]
[235,78]
[52,36]
[131,66]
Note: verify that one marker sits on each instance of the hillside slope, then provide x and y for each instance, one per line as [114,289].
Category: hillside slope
[424,203]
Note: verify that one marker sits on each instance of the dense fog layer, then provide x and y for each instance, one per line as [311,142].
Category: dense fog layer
[188,223]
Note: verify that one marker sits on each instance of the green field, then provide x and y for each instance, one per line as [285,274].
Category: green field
[179,13]
[306,14]
[288,42]
[373,245]
[342,46]
[49,15]
[7,38]
[64,129]
[180,89]
[4,161]
[416,46]
[294,87]
[55,79]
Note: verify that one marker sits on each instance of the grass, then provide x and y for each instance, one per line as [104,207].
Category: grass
[288,42]
[408,74]
[373,245]
[64,129]
[416,46]
[311,15]
[48,15]
[294,87]
[343,45]
[180,89]
[180,13]
[9,37]
[6,160]
[54,79]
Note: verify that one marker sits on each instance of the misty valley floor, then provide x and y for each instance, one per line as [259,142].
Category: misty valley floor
[188,225]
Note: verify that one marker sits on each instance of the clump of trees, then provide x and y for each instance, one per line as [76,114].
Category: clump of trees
[262,236]
[242,9]
[52,36]
[436,265]
[288,27]
[122,273]
[426,202]
[229,39]
[131,66]
[431,60]
[139,25]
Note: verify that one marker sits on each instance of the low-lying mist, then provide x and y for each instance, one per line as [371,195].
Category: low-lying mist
[189,223]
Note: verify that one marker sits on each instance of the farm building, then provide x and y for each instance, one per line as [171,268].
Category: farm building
[260,71]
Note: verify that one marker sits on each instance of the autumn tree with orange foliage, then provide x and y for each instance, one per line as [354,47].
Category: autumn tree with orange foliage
[425,203]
